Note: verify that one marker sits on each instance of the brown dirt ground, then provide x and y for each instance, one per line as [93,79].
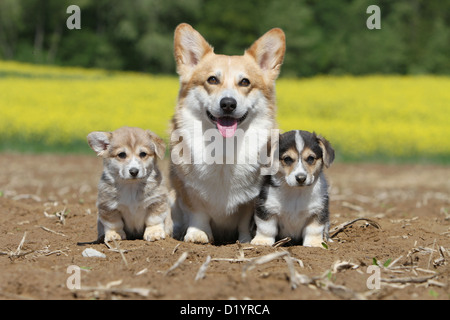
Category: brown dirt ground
[410,202]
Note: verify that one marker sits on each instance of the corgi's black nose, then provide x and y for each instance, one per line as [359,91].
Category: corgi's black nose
[301,178]
[228,104]
[134,172]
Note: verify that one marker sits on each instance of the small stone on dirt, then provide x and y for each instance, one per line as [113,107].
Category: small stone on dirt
[92,253]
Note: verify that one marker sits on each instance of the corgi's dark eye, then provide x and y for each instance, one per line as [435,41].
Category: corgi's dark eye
[122,155]
[244,82]
[310,160]
[213,80]
[142,155]
[288,160]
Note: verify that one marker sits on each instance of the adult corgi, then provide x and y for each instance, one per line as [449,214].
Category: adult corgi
[221,128]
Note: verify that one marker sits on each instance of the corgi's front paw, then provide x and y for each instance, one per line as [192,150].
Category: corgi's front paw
[313,241]
[196,236]
[112,235]
[154,233]
[260,240]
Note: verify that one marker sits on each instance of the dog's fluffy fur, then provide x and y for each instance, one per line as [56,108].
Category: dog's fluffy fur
[294,202]
[132,198]
[229,94]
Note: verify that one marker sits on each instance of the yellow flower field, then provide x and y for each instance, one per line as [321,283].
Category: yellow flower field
[363,117]
[393,116]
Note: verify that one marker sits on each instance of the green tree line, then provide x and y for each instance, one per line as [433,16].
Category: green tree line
[323,36]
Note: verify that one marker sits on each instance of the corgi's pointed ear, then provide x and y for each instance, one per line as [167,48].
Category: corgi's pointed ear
[158,144]
[327,150]
[99,141]
[190,47]
[269,50]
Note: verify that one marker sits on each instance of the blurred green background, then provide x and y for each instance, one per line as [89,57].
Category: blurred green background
[323,37]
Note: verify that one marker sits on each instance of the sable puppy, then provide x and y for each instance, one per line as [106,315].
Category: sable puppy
[294,202]
[132,198]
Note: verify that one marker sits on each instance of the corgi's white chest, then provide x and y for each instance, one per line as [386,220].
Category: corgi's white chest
[229,185]
[131,206]
[221,180]
[296,206]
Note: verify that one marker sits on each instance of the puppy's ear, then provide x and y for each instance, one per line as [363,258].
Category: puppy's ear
[190,47]
[268,51]
[327,150]
[99,142]
[275,155]
[158,144]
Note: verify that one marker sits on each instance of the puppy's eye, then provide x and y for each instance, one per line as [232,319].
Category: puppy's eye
[122,155]
[288,160]
[244,82]
[310,160]
[142,155]
[213,80]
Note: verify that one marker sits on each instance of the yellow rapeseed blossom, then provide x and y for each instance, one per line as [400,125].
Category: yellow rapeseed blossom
[394,116]
[61,105]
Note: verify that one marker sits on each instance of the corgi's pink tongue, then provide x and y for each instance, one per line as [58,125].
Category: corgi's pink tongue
[227,126]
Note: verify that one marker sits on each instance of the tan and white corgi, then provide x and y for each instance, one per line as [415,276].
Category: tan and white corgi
[132,197]
[225,112]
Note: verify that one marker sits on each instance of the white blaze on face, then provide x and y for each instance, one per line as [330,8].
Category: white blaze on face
[299,142]
[299,168]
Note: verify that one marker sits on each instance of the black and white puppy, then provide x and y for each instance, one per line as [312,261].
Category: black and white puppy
[294,202]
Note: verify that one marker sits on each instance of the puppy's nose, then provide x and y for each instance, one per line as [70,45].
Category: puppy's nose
[134,172]
[301,178]
[228,104]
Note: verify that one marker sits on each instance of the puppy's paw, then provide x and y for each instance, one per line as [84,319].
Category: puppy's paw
[196,236]
[260,240]
[112,235]
[313,241]
[154,233]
